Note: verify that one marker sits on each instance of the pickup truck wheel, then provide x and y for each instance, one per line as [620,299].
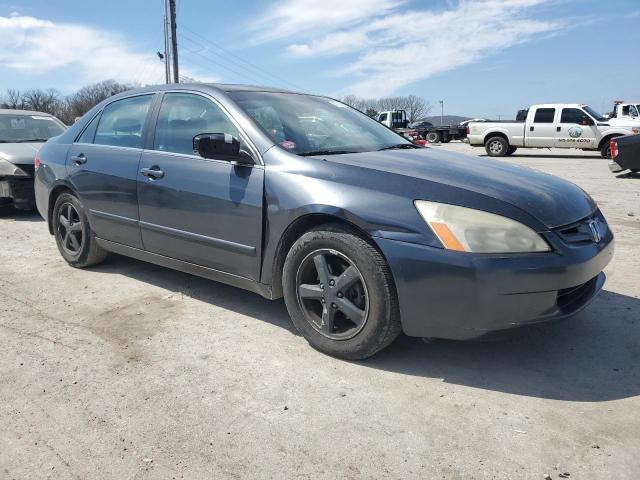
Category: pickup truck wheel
[606,150]
[433,137]
[340,293]
[497,147]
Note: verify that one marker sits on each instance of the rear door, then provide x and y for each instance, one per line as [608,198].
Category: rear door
[202,211]
[576,129]
[540,130]
[103,168]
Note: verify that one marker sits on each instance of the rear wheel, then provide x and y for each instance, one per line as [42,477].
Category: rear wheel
[340,293]
[433,137]
[74,237]
[497,147]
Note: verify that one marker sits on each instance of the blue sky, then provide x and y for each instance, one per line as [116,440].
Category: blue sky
[482,57]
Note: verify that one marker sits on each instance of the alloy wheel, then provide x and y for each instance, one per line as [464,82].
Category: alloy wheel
[495,147]
[70,229]
[332,294]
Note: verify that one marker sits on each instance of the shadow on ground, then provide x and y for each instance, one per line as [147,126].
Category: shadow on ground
[592,357]
[10,213]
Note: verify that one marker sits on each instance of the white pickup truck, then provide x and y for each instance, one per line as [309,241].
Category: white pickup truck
[550,125]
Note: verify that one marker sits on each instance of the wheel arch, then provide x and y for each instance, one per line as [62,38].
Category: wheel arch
[495,133]
[56,191]
[299,227]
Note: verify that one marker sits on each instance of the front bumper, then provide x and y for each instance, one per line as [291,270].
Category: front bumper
[19,190]
[445,294]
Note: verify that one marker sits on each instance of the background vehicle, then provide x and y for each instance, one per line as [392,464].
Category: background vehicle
[422,130]
[354,226]
[547,126]
[22,133]
[624,112]
[625,154]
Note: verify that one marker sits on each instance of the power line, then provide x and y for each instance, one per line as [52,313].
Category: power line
[239,61]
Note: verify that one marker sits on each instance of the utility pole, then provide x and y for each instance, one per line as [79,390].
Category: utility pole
[441,112]
[174,41]
[167,56]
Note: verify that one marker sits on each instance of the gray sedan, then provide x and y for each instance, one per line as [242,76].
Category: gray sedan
[364,233]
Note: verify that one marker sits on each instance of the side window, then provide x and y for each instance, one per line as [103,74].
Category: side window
[89,131]
[183,116]
[383,117]
[573,115]
[544,115]
[122,121]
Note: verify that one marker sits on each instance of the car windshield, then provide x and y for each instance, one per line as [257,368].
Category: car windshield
[308,125]
[28,128]
[594,114]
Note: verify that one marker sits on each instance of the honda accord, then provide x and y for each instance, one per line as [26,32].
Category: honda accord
[286,194]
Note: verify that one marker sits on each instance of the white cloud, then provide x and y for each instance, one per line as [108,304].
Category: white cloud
[293,17]
[36,47]
[389,48]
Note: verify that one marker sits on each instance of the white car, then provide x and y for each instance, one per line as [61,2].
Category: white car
[559,125]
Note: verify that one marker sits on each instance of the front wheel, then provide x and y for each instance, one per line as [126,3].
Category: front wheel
[497,147]
[605,151]
[340,293]
[74,236]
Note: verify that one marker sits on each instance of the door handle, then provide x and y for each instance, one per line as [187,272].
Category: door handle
[531,129]
[558,129]
[153,173]
[79,159]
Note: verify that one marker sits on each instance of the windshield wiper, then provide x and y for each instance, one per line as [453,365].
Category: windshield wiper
[399,146]
[325,152]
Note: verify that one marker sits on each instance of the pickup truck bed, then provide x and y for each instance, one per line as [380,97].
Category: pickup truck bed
[627,156]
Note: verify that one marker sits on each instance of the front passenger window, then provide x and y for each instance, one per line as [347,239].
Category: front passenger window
[122,122]
[183,116]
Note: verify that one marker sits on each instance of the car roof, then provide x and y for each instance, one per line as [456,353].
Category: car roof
[221,87]
[10,111]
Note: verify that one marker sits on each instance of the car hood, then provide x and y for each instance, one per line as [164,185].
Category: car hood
[553,201]
[19,153]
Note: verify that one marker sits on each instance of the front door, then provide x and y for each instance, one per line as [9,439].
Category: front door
[576,129]
[103,168]
[202,211]
[541,130]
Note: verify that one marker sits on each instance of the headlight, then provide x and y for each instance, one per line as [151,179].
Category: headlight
[469,230]
[8,169]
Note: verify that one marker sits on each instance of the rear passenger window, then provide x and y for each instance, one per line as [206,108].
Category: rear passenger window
[544,115]
[183,116]
[122,121]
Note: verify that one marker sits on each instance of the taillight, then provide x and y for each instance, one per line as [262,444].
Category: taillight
[36,161]
[614,148]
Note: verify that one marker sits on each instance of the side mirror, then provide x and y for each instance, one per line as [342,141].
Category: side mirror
[220,146]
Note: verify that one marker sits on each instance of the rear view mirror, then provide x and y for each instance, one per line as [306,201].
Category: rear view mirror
[219,146]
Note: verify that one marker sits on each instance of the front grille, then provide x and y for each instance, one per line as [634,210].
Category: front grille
[582,233]
[570,296]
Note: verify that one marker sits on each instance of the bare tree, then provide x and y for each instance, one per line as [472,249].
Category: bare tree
[48,101]
[13,99]
[416,107]
[87,97]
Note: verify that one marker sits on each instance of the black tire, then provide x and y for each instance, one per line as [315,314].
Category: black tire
[433,137]
[605,150]
[76,241]
[378,309]
[497,146]
[511,150]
